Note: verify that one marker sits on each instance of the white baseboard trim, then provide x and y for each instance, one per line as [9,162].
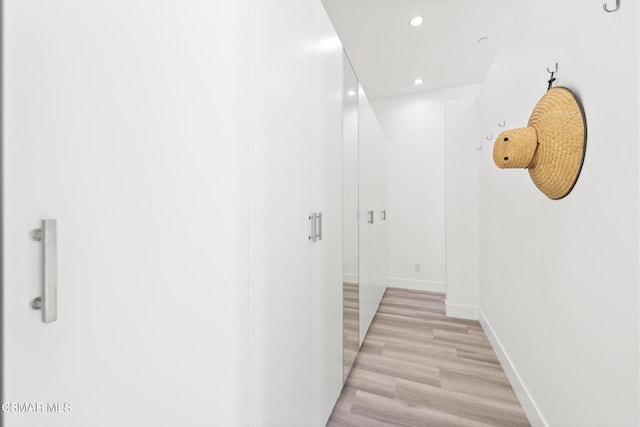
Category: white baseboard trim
[528,404]
[417,285]
[349,278]
[461,311]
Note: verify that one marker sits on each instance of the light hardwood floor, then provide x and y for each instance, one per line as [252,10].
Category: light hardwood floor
[418,367]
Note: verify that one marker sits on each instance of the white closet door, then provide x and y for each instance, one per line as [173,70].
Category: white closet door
[365,170]
[384,189]
[326,89]
[125,121]
[365,167]
[372,240]
[379,240]
[280,137]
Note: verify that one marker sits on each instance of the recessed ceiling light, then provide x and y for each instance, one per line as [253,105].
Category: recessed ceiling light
[418,81]
[483,40]
[416,21]
[351,93]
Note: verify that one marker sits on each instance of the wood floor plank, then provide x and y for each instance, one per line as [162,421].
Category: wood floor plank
[417,367]
[477,386]
[425,416]
[373,382]
[382,409]
[440,361]
[472,407]
[477,355]
[461,338]
[398,369]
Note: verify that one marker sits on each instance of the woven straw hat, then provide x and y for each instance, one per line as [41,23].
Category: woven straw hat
[553,145]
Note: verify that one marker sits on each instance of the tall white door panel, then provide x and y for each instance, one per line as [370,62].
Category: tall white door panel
[372,227]
[366,156]
[326,89]
[280,296]
[126,122]
[379,239]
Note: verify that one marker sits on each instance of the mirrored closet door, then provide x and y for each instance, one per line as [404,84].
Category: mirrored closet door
[350,242]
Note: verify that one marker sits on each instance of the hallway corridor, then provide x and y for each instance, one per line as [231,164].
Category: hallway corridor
[419,368]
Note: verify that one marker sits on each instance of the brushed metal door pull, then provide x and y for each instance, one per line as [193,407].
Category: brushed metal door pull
[47,235]
[313,236]
[319,226]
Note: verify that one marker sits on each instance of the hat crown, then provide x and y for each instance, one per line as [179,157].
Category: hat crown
[515,148]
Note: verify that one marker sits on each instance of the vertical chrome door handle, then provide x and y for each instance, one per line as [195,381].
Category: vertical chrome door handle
[384,215]
[312,219]
[370,217]
[319,226]
[47,235]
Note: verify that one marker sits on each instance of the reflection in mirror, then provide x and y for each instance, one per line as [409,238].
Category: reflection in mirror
[350,218]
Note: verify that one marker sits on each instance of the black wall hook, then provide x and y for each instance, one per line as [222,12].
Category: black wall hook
[553,76]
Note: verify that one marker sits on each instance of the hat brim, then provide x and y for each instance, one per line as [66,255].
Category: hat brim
[561,125]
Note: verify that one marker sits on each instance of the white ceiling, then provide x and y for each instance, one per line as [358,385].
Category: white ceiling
[388,54]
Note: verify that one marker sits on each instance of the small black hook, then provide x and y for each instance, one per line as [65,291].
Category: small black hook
[553,76]
[551,81]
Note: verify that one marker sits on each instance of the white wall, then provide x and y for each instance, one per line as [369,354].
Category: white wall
[559,279]
[417,127]
[462,150]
